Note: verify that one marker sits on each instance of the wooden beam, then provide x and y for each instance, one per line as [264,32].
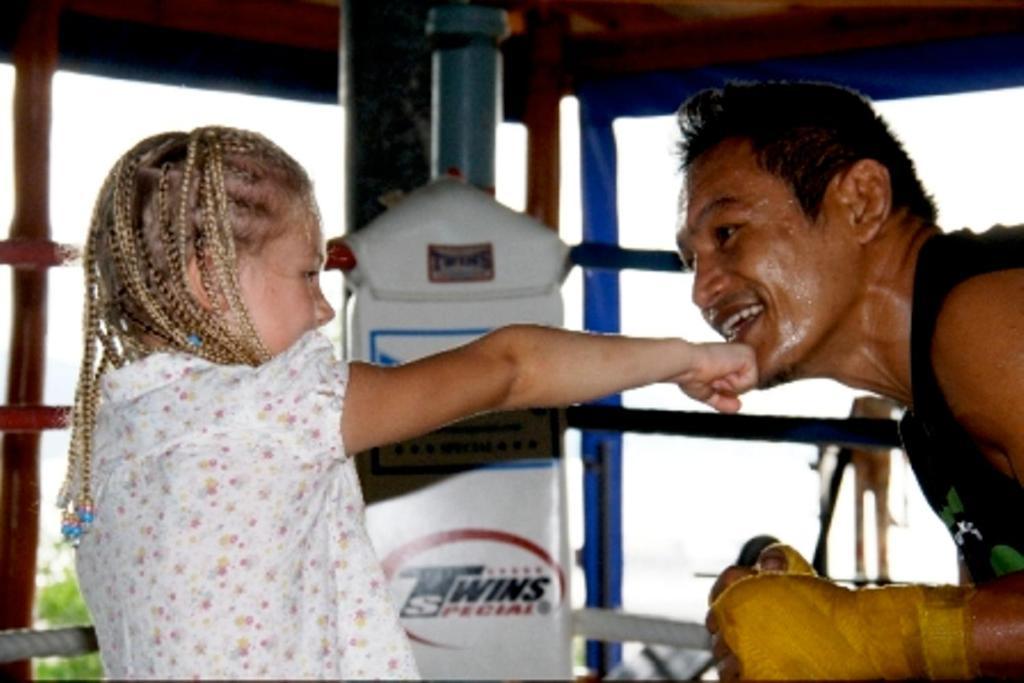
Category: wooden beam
[35,60]
[294,23]
[37,254]
[687,46]
[33,419]
[625,7]
[542,120]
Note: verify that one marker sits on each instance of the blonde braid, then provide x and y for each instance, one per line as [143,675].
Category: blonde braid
[165,203]
[173,284]
[75,498]
[127,254]
[225,255]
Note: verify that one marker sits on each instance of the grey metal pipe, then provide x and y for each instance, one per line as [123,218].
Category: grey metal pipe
[466,90]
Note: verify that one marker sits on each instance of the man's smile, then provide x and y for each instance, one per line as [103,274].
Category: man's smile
[740,321]
[731,319]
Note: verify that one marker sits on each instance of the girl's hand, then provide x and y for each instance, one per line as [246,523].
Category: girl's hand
[719,373]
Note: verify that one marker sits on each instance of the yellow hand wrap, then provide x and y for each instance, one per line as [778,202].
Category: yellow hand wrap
[784,625]
[795,562]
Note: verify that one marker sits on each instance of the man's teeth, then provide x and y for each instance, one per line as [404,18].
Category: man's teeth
[734,320]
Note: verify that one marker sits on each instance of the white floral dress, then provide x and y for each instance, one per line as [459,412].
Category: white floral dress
[229,539]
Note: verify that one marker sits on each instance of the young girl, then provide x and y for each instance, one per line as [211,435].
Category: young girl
[217,514]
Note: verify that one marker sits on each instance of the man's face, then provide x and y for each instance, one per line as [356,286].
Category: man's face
[765,274]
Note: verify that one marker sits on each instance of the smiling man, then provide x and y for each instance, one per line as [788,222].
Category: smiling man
[812,240]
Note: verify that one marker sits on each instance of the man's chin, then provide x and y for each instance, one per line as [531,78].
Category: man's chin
[783,375]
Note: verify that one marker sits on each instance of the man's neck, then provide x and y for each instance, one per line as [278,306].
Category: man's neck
[872,348]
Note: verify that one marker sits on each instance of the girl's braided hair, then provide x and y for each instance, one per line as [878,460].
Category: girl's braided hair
[174,201]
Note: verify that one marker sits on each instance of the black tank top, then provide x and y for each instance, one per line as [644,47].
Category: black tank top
[982,508]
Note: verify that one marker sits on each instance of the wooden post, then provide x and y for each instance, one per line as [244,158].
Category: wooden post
[542,117]
[35,59]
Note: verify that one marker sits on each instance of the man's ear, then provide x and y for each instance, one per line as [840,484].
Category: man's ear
[195,283]
[862,194]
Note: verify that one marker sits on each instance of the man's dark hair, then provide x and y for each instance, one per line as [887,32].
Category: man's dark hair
[804,133]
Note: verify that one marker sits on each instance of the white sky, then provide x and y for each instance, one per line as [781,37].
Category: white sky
[688,503]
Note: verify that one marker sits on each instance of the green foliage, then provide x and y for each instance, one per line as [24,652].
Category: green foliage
[84,668]
[59,603]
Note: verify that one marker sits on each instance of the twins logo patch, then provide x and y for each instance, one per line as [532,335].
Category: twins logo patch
[453,585]
[460,263]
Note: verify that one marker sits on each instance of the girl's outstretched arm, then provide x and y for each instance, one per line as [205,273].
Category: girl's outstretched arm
[526,366]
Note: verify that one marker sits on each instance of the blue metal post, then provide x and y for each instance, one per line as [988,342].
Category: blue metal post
[601,452]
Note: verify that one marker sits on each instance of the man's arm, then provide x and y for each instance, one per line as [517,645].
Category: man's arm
[997,624]
[978,356]
[775,628]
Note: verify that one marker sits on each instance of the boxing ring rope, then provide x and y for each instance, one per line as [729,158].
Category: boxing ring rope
[72,641]
[610,626]
[854,431]
[19,644]
[595,624]
[46,254]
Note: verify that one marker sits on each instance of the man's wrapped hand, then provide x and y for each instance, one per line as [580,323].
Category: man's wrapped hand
[792,624]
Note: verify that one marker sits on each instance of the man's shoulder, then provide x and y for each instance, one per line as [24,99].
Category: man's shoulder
[979,316]
[978,352]
[961,262]
[984,307]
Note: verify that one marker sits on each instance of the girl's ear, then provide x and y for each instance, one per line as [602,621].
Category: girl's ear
[195,283]
[863,195]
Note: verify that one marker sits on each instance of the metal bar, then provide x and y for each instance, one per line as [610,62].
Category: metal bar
[828,507]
